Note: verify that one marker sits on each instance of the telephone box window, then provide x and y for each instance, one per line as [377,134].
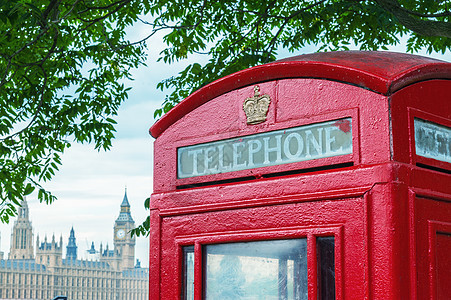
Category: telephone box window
[284,146]
[432,140]
[188,273]
[256,270]
[326,267]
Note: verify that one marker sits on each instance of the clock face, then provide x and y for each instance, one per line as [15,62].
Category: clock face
[120,233]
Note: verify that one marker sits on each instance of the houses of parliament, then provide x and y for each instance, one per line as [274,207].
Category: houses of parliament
[45,274]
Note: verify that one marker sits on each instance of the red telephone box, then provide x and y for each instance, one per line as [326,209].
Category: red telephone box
[322,176]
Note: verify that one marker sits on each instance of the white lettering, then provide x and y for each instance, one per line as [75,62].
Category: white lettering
[311,140]
[330,139]
[195,153]
[237,155]
[289,145]
[286,146]
[209,159]
[277,148]
[253,150]
[222,166]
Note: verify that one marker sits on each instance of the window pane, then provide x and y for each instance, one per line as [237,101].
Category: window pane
[326,267]
[188,273]
[432,140]
[256,270]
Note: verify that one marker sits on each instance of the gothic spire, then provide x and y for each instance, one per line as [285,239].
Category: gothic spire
[124,215]
[71,248]
[21,246]
[125,200]
[23,210]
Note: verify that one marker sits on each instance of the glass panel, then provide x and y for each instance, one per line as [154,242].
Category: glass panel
[308,142]
[188,273]
[432,140]
[256,270]
[325,249]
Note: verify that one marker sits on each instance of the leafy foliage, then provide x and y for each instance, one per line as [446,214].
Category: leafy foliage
[240,34]
[61,67]
[63,62]
[144,228]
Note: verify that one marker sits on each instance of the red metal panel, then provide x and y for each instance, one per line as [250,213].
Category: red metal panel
[442,263]
[379,206]
[428,100]
[154,255]
[382,72]
[286,189]
[260,172]
[387,242]
[433,216]
[265,223]
[295,102]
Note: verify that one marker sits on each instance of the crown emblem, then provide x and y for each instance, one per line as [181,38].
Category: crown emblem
[256,107]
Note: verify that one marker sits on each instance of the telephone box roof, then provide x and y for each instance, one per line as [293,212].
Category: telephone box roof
[381,72]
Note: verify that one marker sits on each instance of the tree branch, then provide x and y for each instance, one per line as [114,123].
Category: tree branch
[38,108]
[422,27]
[88,8]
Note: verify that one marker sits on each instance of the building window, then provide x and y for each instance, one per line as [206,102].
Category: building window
[24,239]
[17,236]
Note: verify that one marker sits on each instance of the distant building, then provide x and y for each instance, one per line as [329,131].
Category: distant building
[22,236]
[107,275]
[71,248]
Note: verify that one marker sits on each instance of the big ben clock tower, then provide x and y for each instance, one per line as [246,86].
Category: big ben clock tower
[124,243]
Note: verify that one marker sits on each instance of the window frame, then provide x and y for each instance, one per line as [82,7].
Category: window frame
[311,233]
[416,159]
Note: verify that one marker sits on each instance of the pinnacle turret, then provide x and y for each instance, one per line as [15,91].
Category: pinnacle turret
[124,215]
[71,248]
[21,246]
[125,200]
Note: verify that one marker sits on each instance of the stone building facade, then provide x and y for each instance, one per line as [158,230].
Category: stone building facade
[112,275]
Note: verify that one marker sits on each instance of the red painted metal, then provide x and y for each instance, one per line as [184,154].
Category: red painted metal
[388,208]
[382,72]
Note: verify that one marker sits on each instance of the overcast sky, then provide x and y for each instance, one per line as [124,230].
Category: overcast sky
[90,185]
